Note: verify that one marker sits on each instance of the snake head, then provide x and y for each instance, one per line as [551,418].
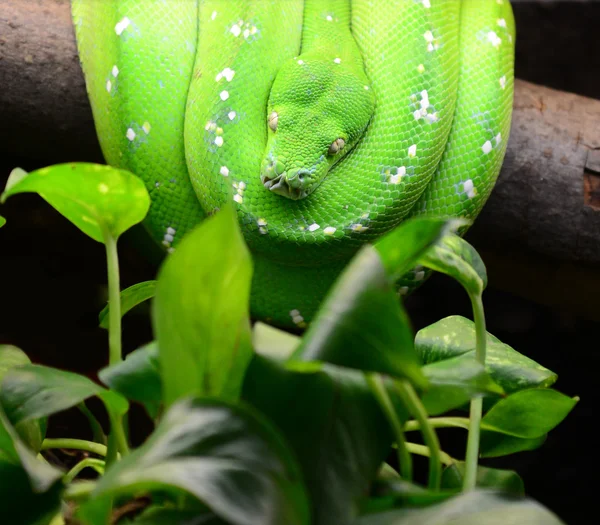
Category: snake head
[317,111]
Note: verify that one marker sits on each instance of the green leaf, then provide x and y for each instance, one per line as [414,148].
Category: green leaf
[2,221]
[456,258]
[29,489]
[32,432]
[334,425]
[130,298]
[273,342]
[394,493]
[227,457]
[452,382]
[137,377]
[200,312]
[491,478]
[529,413]
[34,391]
[455,336]
[98,199]
[362,325]
[495,444]
[401,248]
[470,508]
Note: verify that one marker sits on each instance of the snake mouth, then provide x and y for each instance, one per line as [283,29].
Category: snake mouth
[285,186]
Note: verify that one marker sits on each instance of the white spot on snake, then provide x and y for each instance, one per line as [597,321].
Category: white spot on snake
[469,188]
[487,147]
[431,41]
[214,15]
[366,88]
[426,4]
[168,238]
[171,231]
[246,33]
[498,139]
[358,227]
[235,30]
[419,275]
[103,188]
[108,85]
[494,39]
[421,68]
[403,290]
[130,134]
[241,186]
[502,81]
[261,222]
[337,60]
[397,177]
[424,99]
[329,18]
[412,151]
[238,198]
[501,22]
[210,126]
[224,171]
[227,73]
[115,71]
[300,61]
[146,127]
[294,313]
[313,227]
[122,25]
[330,230]
[231,115]
[219,141]
[224,95]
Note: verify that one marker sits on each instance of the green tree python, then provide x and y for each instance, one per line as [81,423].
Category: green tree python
[324,122]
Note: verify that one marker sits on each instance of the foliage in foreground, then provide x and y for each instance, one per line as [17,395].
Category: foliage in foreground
[254,425]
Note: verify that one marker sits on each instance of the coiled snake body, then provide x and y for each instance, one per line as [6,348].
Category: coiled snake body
[325,122]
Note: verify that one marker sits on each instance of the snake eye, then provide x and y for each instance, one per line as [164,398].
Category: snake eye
[336,146]
[273,118]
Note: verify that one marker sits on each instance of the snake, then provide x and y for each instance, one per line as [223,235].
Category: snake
[323,123]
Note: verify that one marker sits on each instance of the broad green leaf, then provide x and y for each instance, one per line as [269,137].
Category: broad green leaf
[137,377]
[94,197]
[452,382]
[401,248]
[130,298]
[200,312]
[528,413]
[455,336]
[2,221]
[362,325]
[273,342]
[490,478]
[34,391]
[495,444]
[29,489]
[456,258]
[477,507]
[227,457]
[334,425]
[32,432]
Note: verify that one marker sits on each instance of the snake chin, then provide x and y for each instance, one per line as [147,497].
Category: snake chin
[284,187]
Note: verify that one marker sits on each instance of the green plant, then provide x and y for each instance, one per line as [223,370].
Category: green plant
[257,426]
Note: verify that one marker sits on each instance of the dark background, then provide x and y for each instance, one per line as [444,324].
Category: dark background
[53,284]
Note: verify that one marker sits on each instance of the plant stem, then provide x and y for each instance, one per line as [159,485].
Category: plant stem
[78,491]
[438,422]
[96,464]
[376,385]
[415,407]
[118,430]
[475,412]
[422,450]
[75,444]
[114,300]
[97,432]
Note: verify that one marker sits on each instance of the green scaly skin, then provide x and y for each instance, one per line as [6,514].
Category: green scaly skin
[326,123]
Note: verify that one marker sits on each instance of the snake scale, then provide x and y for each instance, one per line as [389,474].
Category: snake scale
[324,122]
